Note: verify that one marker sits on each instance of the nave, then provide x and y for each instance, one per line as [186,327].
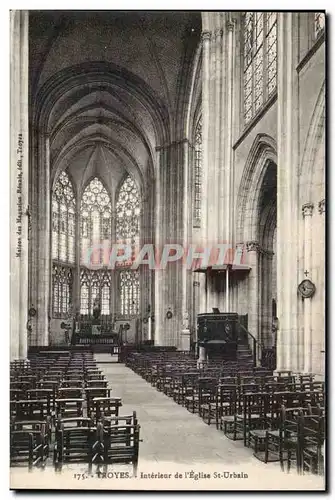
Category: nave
[173,440]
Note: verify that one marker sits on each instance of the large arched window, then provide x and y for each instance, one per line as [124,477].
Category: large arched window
[128,215]
[63,220]
[62,280]
[95,227]
[128,232]
[197,186]
[63,244]
[95,238]
[129,292]
[259,60]
[95,285]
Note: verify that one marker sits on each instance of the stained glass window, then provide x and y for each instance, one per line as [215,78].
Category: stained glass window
[130,292]
[94,285]
[128,215]
[319,23]
[63,244]
[62,280]
[260,60]
[63,220]
[95,227]
[197,175]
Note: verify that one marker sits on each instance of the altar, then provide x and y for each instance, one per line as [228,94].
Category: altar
[96,329]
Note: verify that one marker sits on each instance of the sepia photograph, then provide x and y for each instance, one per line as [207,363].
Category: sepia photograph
[167,208]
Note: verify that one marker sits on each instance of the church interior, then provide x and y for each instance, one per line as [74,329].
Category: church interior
[168,241]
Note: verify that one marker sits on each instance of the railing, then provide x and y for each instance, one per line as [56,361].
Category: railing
[256,346]
[269,358]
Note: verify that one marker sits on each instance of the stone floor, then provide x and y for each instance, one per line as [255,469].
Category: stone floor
[178,449]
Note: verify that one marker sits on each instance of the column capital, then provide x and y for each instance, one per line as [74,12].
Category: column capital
[218,32]
[322,206]
[252,246]
[206,35]
[230,24]
[307,209]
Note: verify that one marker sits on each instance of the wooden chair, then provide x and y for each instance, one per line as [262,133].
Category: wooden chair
[255,406]
[120,443]
[96,383]
[71,383]
[96,392]
[208,399]
[257,431]
[191,394]
[31,409]
[70,393]
[16,394]
[48,384]
[71,407]
[74,443]
[75,375]
[94,375]
[20,386]
[72,422]
[44,394]
[104,407]
[28,447]
[33,425]
[281,442]
[228,420]
[311,437]
[225,394]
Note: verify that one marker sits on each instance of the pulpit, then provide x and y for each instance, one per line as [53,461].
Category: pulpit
[218,335]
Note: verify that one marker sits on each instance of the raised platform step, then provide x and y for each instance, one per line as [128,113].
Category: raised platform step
[104,358]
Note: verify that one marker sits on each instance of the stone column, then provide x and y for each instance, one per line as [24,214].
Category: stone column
[321,331]
[19,183]
[217,108]
[43,292]
[206,38]
[158,242]
[253,283]
[169,230]
[287,194]
[266,306]
[115,290]
[76,274]
[226,143]
[185,340]
[195,309]
[186,274]
[307,211]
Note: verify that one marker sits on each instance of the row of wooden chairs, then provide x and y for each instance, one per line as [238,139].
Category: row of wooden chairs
[78,439]
[244,404]
[110,441]
[64,403]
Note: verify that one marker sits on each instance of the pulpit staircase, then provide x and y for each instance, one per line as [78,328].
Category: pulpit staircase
[250,352]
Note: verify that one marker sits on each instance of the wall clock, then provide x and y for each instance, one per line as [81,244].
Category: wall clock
[306,289]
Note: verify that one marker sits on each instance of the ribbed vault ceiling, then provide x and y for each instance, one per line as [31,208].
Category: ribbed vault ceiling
[108,124]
